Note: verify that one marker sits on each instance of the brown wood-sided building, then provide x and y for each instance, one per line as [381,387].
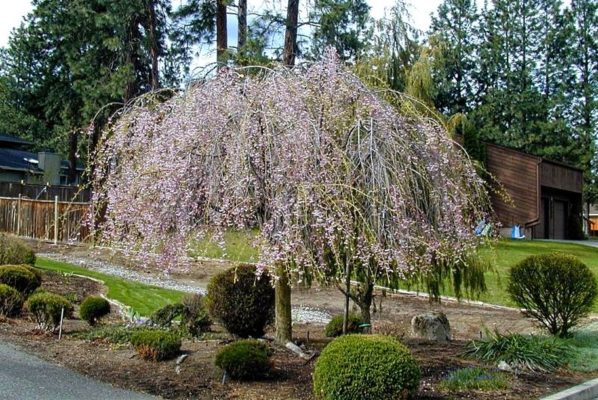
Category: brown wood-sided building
[545,196]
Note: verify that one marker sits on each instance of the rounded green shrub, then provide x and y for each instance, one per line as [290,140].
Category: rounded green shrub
[11,301]
[46,307]
[334,328]
[244,360]
[242,301]
[20,277]
[93,308]
[195,318]
[556,289]
[365,367]
[156,345]
[14,251]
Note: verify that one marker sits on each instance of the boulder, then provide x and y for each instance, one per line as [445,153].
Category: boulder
[432,326]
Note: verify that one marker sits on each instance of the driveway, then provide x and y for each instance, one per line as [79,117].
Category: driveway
[25,377]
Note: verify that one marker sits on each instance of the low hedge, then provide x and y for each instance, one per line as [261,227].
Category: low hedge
[46,308]
[93,308]
[11,301]
[24,278]
[365,367]
[156,345]
[244,360]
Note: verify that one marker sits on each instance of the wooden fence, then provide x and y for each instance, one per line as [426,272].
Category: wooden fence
[44,219]
[44,192]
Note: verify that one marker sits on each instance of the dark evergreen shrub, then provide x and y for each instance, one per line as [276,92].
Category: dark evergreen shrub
[242,301]
[93,308]
[556,289]
[165,315]
[334,328]
[11,301]
[244,360]
[156,345]
[46,308]
[13,251]
[20,277]
[365,367]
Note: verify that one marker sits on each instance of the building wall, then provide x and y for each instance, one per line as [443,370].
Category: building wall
[11,176]
[516,174]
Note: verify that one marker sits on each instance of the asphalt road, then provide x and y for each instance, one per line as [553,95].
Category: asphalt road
[26,377]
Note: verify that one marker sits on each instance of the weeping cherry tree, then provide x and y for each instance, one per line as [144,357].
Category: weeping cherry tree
[336,180]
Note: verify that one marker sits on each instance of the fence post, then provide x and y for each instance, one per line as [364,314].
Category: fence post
[55,219]
[19,215]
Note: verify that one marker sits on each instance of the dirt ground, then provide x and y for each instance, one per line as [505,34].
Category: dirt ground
[198,378]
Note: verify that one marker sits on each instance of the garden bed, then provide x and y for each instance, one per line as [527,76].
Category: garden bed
[197,377]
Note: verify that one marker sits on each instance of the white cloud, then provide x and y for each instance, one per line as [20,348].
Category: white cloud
[11,16]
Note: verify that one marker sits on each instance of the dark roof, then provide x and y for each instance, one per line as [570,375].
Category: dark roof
[16,160]
[7,139]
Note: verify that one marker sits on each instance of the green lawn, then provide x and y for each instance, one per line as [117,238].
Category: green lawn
[144,299]
[237,247]
[502,256]
[507,253]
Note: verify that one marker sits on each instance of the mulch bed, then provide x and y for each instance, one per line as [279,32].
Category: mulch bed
[198,378]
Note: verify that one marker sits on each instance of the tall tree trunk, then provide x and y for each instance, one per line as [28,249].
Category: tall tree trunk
[154,48]
[290,36]
[221,33]
[347,295]
[242,18]
[284,330]
[130,48]
[72,172]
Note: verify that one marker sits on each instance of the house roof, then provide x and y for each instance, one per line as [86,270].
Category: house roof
[19,160]
[13,140]
[594,209]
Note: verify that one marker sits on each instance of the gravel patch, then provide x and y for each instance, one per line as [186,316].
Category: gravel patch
[124,273]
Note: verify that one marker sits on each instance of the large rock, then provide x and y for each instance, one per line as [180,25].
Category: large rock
[432,326]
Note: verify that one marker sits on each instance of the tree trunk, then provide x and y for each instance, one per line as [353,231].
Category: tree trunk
[347,292]
[154,50]
[284,330]
[72,172]
[242,18]
[365,302]
[290,36]
[221,34]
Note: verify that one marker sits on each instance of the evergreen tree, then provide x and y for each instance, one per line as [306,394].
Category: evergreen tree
[453,30]
[342,24]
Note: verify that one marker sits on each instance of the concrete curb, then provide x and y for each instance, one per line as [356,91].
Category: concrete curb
[586,391]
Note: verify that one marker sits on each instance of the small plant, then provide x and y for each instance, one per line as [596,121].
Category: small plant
[365,367]
[156,345]
[93,308]
[11,301]
[20,277]
[116,334]
[556,289]
[242,300]
[13,251]
[475,379]
[46,309]
[165,315]
[195,318]
[244,360]
[334,328]
[534,353]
